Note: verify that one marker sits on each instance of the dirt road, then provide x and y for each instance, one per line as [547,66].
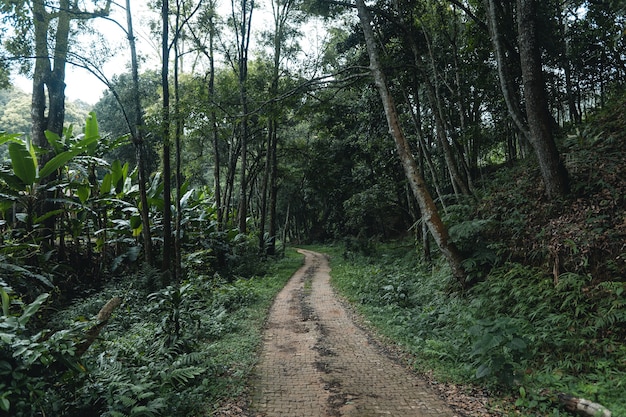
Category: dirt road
[317,363]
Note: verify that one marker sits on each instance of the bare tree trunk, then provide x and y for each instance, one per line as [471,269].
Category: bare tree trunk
[229,190]
[416,117]
[137,134]
[178,132]
[281,12]
[264,188]
[165,131]
[504,75]
[458,182]
[214,131]
[243,34]
[418,186]
[273,229]
[540,120]
[56,81]
[574,115]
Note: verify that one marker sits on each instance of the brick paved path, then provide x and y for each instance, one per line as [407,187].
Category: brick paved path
[317,363]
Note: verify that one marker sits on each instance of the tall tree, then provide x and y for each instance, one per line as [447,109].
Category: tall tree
[183,15]
[427,206]
[137,134]
[242,23]
[204,37]
[540,120]
[283,12]
[537,126]
[50,24]
[165,132]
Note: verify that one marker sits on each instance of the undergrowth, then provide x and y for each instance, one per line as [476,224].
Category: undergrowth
[517,332]
[546,312]
[178,351]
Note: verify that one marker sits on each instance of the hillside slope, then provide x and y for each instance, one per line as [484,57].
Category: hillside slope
[546,314]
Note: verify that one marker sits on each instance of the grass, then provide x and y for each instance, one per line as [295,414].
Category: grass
[238,350]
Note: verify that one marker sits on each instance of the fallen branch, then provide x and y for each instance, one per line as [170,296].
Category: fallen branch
[102,318]
[583,407]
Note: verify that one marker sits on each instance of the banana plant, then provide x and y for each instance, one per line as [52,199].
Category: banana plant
[26,175]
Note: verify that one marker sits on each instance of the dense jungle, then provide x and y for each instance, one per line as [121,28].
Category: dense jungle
[462,163]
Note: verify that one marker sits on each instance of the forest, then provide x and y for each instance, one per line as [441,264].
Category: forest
[462,162]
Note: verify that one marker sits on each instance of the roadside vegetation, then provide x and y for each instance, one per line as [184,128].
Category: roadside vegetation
[546,314]
[181,350]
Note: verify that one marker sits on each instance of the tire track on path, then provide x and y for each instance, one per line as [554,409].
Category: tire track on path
[316,362]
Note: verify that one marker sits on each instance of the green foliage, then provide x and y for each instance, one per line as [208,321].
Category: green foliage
[178,351]
[498,349]
[516,329]
[32,363]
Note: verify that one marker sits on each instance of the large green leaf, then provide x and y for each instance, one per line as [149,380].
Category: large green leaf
[32,308]
[57,162]
[91,126]
[105,187]
[83,192]
[86,143]
[10,137]
[24,165]
[55,141]
[6,302]
[118,175]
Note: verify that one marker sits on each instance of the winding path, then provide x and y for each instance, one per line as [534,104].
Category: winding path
[317,363]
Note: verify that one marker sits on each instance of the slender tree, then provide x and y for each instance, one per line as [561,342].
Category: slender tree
[217,185]
[283,11]
[243,28]
[165,131]
[427,206]
[137,134]
[536,127]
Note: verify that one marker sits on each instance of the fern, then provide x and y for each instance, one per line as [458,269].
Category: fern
[182,376]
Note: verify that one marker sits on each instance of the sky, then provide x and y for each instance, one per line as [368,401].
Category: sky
[82,85]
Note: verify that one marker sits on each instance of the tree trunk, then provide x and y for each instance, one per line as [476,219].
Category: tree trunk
[416,117]
[458,182]
[418,186]
[264,188]
[504,74]
[244,33]
[51,76]
[165,131]
[280,13]
[41,72]
[41,76]
[566,64]
[178,132]
[273,230]
[229,187]
[583,406]
[539,118]
[217,192]
[56,80]
[138,142]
